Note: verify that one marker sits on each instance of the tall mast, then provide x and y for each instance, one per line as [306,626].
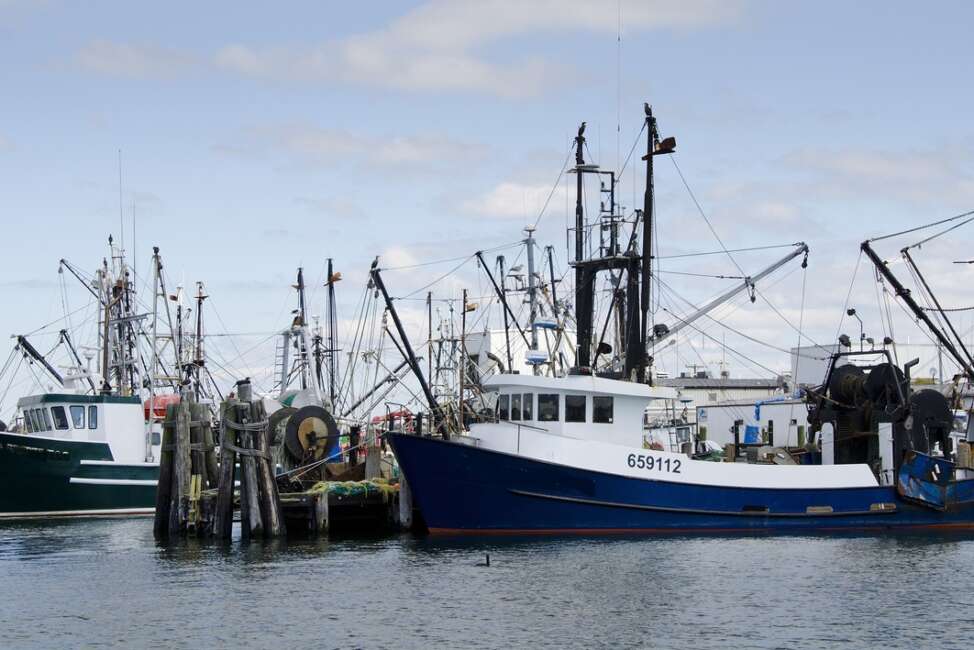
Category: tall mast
[332,327]
[654,147]
[532,292]
[198,357]
[647,261]
[583,307]
[507,323]
[301,324]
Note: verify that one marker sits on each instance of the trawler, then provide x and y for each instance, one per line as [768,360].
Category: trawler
[565,454]
[89,444]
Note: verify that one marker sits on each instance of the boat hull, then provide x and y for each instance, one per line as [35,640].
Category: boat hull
[460,488]
[44,477]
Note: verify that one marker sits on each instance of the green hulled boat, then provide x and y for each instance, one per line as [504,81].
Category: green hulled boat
[78,455]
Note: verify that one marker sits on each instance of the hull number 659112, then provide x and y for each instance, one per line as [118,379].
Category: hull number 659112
[651,463]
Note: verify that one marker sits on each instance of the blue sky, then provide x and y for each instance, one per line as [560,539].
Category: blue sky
[257,138]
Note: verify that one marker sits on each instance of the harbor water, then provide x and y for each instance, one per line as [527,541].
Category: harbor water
[105,583]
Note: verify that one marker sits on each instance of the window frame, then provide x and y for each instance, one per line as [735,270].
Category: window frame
[596,399]
[47,419]
[575,398]
[527,407]
[72,409]
[64,418]
[92,421]
[28,421]
[504,406]
[516,404]
[545,398]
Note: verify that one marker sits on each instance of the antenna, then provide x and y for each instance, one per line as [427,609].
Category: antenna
[121,217]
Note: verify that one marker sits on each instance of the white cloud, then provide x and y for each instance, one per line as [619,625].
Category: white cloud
[941,173]
[512,200]
[315,145]
[438,46]
[131,60]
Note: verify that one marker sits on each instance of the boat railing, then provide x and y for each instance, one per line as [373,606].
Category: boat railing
[533,428]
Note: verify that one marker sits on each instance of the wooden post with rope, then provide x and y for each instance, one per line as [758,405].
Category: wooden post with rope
[160,526]
[223,515]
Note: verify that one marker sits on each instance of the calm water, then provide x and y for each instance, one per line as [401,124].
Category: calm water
[106,583]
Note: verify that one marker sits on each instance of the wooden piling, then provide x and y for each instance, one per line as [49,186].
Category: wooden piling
[160,526]
[209,451]
[373,462]
[321,514]
[251,523]
[182,473]
[269,498]
[223,515]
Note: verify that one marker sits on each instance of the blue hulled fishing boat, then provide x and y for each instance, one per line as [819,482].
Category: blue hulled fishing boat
[567,454]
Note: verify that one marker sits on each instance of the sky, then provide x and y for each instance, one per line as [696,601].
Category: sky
[258,138]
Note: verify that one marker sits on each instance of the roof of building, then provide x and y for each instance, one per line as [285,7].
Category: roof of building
[718,382]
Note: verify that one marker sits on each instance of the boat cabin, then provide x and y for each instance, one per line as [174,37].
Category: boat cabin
[578,406]
[118,421]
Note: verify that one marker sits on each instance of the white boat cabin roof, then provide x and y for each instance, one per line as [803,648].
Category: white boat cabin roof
[580,384]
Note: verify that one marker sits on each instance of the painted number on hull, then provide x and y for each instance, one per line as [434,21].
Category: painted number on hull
[651,463]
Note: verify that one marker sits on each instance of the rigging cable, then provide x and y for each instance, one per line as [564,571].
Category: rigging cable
[923,227]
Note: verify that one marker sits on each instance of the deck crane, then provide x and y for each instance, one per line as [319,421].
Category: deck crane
[662,332]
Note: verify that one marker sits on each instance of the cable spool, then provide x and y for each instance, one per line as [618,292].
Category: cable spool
[930,421]
[310,433]
[276,425]
[846,384]
[881,386]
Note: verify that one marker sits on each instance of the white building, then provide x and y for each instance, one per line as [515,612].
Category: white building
[781,420]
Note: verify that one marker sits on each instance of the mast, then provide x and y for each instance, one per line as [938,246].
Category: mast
[551,273]
[583,307]
[532,293]
[647,256]
[654,147]
[507,326]
[463,361]
[410,356]
[332,328]
[198,357]
[429,325]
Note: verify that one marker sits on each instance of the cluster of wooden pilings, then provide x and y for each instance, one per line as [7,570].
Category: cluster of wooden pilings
[245,438]
[187,470]
[198,493]
[195,494]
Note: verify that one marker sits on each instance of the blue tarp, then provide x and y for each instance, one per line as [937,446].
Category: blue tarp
[752,435]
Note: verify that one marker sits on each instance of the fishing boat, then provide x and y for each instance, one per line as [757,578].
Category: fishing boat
[565,454]
[89,443]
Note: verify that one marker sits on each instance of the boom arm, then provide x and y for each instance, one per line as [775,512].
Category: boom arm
[800,248]
[32,352]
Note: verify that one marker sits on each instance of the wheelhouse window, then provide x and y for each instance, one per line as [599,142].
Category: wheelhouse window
[602,409]
[504,407]
[548,408]
[46,417]
[527,406]
[60,418]
[516,407]
[92,417]
[574,408]
[28,422]
[78,416]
